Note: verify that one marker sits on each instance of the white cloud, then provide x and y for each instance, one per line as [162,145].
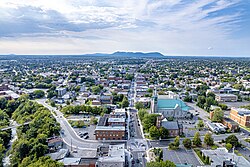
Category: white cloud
[69,26]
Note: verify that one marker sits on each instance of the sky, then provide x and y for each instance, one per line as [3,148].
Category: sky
[172,27]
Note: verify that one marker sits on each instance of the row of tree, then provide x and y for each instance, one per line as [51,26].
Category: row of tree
[85,109]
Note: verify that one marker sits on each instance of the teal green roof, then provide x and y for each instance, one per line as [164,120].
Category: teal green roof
[171,103]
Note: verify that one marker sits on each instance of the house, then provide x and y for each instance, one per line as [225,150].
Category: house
[106,99]
[55,143]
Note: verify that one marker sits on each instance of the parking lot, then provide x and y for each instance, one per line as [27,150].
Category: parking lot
[190,127]
[90,129]
[180,156]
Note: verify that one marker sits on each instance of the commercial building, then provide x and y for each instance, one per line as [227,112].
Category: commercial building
[111,127]
[61,91]
[216,127]
[241,116]
[221,156]
[115,156]
[226,97]
[116,122]
[110,132]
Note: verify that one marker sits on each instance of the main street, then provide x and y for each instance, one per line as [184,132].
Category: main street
[136,144]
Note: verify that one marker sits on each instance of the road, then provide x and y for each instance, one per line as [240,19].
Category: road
[202,113]
[68,134]
[14,126]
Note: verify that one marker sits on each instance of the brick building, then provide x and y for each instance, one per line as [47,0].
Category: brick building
[230,124]
[110,133]
[241,116]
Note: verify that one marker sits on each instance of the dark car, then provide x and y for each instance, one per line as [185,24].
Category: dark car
[133,161]
[137,161]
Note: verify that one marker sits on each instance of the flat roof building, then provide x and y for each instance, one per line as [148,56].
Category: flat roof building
[241,116]
[220,155]
[226,97]
[114,158]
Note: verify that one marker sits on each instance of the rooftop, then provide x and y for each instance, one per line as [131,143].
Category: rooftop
[221,154]
[226,95]
[62,153]
[71,161]
[116,153]
[170,124]
[116,120]
[171,104]
[242,111]
[110,128]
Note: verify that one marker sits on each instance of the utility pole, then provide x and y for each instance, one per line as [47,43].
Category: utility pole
[71,144]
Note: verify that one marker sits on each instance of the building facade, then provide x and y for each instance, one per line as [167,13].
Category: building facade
[226,97]
[241,116]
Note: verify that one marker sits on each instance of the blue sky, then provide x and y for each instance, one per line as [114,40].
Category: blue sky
[172,27]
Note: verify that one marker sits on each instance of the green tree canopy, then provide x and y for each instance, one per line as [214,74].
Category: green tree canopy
[208,140]
[218,115]
[187,143]
[197,139]
[233,140]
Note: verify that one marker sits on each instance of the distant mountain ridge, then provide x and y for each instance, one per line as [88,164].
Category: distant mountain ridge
[128,54]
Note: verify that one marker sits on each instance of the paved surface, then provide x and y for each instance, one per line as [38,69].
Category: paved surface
[68,135]
[180,156]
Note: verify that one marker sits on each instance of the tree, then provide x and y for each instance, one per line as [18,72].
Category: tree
[188,99]
[96,89]
[150,90]
[53,104]
[187,143]
[218,115]
[177,141]
[163,132]
[3,103]
[125,102]
[45,162]
[228,146]
[200,124]
[233,140]
[208,140]
[197,139]
[148,121]
[139,105]
[38,94]
[166,163]
[154,132]
[223,106]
